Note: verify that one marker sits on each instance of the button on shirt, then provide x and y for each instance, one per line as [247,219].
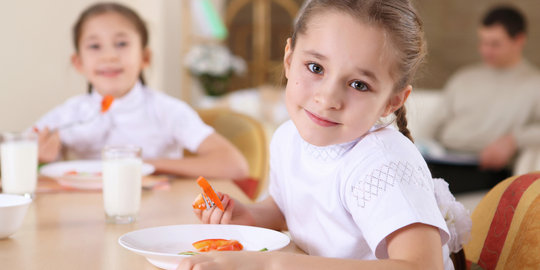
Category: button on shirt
[161,125]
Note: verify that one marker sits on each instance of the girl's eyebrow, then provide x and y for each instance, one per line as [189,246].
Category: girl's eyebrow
[368,73]
[316,54]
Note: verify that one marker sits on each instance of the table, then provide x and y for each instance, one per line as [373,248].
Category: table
[67,230]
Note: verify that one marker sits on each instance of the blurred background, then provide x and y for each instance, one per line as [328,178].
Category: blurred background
[36,74]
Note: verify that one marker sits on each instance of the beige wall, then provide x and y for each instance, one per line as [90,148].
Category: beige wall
[451,27]
[36,76]
[35,71]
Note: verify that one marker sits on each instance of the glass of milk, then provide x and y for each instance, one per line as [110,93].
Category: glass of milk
[19,155]
[122,175]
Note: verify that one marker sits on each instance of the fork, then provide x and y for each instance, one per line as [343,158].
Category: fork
[106,103]
[210,198]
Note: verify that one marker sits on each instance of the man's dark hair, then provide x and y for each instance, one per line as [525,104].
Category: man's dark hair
[510,18]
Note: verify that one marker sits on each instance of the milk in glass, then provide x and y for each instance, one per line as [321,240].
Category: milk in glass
[19,155]
[122,176]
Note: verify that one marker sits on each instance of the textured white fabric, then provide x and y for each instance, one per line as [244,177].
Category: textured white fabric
[162,125]
[344,200]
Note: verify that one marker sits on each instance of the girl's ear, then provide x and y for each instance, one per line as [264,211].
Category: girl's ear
[77,62]
[287,58]
[397,100]
[146,57]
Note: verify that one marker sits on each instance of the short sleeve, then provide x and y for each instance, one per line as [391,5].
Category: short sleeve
[187,127]
[274,188]
[391,195]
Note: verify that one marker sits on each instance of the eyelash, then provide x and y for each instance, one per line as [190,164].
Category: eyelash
[362,86]
[117,44]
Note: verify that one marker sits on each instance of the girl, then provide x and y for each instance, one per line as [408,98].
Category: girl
[348,189]
[111,51]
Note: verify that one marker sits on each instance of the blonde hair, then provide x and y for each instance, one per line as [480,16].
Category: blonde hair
[402,26]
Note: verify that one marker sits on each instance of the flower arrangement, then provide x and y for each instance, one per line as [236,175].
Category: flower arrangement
[214,65]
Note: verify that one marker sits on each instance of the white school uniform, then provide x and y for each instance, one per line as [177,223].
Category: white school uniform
[161,125]
[344,200]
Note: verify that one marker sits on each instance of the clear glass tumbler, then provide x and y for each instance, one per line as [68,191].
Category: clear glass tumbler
[19,154]
[122,176]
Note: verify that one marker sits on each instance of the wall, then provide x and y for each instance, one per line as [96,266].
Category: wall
[35,70]
[36,75]
[451,29]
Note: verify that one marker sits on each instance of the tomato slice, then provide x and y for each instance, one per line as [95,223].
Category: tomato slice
[199,203]
[217,245]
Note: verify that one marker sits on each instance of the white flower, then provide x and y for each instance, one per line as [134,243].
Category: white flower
[213,59]
[455,214]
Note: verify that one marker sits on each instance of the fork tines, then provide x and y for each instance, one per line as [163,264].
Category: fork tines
[209,203]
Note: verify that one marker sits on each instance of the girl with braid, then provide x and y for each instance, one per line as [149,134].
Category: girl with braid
[353,192]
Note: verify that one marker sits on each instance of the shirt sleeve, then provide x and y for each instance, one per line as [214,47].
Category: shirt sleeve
[188,128]
[389,196]
[274,188]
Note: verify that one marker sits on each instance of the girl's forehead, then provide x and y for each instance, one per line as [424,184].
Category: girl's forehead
[348,41]
[107,22]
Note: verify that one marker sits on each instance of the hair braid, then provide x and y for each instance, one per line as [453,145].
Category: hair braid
[401,121]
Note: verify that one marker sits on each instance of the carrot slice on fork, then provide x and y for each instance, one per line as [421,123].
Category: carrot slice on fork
[209,191]
[106,103]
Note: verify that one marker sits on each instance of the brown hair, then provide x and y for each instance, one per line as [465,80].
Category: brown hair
[106,7]
[403,27]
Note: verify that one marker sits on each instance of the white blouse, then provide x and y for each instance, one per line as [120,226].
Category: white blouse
[161,125]
[344,200]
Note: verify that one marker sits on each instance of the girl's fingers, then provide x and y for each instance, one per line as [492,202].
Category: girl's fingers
[227,216]
[217,215]
[205,217]
[198,213]
[214,215]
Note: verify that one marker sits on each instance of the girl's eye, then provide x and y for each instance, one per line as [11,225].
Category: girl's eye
[121,44]
[360,86]
[93,46]
[315,68]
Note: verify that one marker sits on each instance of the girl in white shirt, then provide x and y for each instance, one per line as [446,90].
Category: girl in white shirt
[111,51]
[353,193]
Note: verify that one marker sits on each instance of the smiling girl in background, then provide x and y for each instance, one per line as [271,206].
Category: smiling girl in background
[111,51]
[353,192]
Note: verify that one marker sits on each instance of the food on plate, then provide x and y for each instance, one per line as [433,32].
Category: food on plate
[207,245]
[217,245]
[208,198]
[77,173]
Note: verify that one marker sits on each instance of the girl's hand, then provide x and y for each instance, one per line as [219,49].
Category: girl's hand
[224,260]
[235,213]
[49,145]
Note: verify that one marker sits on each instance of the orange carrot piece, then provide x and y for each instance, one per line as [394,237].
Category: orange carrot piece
[199,203]
[106,103]
[209,191]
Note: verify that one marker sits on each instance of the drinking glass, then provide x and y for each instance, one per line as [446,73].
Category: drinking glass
[19,155]
[122,176]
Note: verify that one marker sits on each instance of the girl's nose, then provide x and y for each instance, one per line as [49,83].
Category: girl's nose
[329,96]
[109,54]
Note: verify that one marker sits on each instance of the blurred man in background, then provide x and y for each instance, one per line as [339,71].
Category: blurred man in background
[491,109]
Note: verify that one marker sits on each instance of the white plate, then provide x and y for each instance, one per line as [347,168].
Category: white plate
[161,245]
[88,173]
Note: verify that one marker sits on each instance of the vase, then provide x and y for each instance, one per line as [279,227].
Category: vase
[214,85]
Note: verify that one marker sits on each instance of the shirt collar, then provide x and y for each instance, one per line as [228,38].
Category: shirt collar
[132,98]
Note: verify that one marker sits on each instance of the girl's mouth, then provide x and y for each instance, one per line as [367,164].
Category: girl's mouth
[320,121]
[110,72]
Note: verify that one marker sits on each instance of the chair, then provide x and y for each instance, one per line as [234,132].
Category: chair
[506,226]
[248,135]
